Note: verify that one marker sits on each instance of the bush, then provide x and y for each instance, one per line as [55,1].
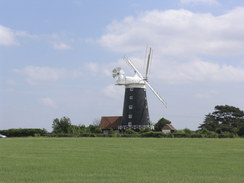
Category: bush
[115,134]
[188,131]
[241,131]
[24,132]
[94,129]
[181,135]
[154,134]
[207,133]
[226,135]
[129,131]
[196,135]
[145,130]
[130,135]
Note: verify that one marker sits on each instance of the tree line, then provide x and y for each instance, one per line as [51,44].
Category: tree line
[64,126]
[224,121]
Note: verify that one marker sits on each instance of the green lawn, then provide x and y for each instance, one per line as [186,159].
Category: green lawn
[127,160]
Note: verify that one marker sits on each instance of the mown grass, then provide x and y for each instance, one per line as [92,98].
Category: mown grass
[132,160]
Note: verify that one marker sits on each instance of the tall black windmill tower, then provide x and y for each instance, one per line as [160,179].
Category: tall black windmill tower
[135,110]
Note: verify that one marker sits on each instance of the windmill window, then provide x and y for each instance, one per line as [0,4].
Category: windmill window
[130,106]
[130,116]
[131,97]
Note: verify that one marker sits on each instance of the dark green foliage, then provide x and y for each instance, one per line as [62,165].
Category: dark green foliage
[145,130]
[94,129]
[153,134]
[129,131]
[24,132]
[64,128]
[77,130]
[160,124]
[72,135]
[186,133]
[62,125]
[224,119]
[226,135]
[207,133]
[181,134]
[196,135]
[241,131]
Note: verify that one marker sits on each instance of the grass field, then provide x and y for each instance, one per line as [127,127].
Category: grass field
[142,160]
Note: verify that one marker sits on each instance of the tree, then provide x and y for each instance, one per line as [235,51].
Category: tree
[77,130]
[160,124]
[241,131]
[62,125]
[224,119]
[94,129]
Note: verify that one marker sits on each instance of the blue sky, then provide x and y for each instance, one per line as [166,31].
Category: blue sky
[56,58]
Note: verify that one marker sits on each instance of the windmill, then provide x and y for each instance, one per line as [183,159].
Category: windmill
[135,110]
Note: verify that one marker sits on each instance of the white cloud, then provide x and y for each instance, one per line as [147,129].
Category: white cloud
[208,2]
[35,75]
[178,32]
[59,41]
[48,102]
[180,39]
[199,71]
[61,46]
[7,36]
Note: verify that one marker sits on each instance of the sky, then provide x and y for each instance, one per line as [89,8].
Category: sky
[56,58]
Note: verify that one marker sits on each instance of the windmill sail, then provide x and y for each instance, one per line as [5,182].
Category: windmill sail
[148,63]
[146,75]
[133,67]
[157,95]
[135,110]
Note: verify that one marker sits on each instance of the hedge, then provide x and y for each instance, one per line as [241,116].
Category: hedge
[34,132]
[24,132]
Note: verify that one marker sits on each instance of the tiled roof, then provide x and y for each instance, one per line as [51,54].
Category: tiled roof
[110,122]
[168,127]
